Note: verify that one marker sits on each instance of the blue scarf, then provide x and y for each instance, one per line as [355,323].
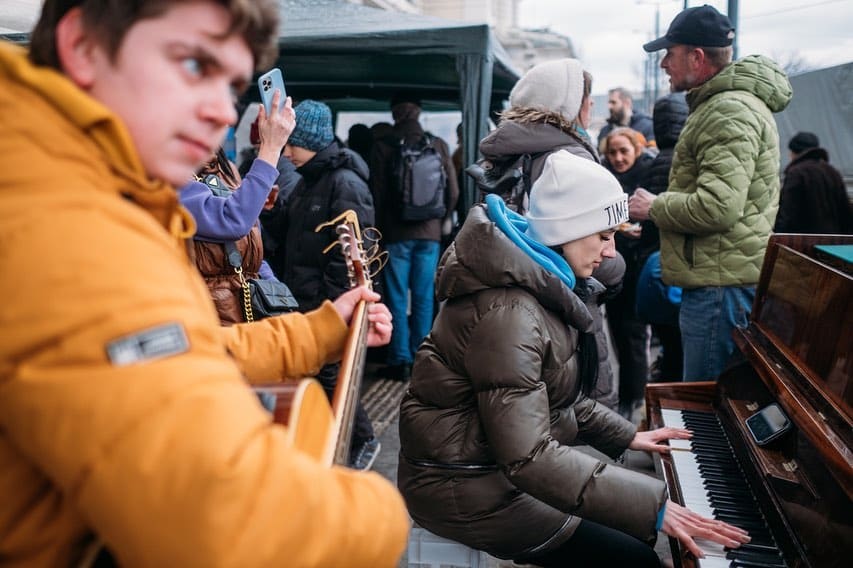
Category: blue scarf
[514,226]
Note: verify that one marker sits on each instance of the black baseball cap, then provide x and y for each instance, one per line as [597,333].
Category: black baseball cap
[703,26]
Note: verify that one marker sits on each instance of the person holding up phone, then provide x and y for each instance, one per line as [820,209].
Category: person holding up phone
[124,413]
[232,216]
[330,179]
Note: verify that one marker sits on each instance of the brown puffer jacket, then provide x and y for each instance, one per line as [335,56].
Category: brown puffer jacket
[224,284]
[494,406]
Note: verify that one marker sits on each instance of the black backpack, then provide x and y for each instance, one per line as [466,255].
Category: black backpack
[418,180]
[509,178]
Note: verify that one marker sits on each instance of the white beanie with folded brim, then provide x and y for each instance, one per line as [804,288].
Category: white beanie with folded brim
[552,86]
[574,198]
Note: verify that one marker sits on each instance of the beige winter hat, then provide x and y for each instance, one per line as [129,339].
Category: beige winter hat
[553,86]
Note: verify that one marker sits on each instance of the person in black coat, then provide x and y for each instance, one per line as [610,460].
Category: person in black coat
[813,198]
[330,180]
[629,163]
[670,114]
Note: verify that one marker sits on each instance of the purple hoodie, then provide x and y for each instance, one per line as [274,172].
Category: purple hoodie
[221,219]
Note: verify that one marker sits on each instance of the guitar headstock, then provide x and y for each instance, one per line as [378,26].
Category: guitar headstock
[349,237]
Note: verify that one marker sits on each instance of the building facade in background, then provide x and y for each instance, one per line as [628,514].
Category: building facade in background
[526,47]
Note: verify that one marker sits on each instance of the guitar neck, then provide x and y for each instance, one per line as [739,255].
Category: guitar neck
[348,387]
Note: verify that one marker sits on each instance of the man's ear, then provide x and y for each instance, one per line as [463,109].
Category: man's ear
[697,56]
[75,49]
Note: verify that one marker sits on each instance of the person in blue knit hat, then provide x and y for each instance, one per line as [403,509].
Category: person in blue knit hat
[330,180]
[313,130]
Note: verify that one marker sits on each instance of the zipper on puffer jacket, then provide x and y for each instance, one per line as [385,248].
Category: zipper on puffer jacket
[456,466]
[540,548]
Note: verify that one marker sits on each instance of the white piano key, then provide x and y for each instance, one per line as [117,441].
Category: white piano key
[690,480]
[714,562]
[711,550]
[674,419]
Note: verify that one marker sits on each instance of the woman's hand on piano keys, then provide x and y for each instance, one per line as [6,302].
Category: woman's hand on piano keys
[684,524]
[648,441]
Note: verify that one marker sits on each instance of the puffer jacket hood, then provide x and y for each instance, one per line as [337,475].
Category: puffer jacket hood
[483,257]
[754,74]
[333,157]
[513,138]
[669,118]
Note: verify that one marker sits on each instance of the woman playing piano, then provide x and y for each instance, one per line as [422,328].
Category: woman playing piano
[499,393]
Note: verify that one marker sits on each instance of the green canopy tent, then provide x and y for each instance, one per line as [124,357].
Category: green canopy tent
[355,58]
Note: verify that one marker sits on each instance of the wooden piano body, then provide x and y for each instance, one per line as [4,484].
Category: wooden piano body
[798,352]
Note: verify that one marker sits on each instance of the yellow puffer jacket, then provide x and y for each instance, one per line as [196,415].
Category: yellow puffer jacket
[158,448]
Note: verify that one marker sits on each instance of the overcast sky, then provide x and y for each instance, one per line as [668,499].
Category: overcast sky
[608,34]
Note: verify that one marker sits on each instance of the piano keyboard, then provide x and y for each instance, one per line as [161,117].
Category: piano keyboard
[713,485]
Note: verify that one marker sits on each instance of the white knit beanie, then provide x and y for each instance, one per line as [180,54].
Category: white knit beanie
[553,86]
[574,198]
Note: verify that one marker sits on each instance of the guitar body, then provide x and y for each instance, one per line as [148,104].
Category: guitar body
[304,408]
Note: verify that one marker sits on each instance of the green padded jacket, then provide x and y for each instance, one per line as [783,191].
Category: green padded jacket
[717,214]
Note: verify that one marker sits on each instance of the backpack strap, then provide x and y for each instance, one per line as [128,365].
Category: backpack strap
[527,168]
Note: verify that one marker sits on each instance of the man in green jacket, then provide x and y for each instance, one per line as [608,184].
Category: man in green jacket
[718,212]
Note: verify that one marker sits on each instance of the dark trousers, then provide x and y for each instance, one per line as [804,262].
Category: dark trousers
[631,340]
[595,545]
[362,429]
[672,356]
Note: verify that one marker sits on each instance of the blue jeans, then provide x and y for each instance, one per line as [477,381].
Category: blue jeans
[707,318]
[411,266]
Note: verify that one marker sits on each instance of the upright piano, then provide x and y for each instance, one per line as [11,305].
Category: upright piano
[792,494]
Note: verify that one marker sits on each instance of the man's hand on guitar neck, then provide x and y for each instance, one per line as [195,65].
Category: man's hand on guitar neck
[379,332]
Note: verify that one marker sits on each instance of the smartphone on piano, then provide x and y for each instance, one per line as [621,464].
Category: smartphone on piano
[268,84]
[768,424]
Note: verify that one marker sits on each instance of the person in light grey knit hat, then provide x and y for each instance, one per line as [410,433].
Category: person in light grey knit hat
[550,108]
[552,86]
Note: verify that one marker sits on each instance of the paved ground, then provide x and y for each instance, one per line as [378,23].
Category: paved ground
[381,399]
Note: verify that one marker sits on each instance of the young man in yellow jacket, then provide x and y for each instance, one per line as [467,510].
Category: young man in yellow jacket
[124,413]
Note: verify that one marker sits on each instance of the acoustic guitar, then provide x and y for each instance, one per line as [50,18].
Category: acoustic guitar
[314,427]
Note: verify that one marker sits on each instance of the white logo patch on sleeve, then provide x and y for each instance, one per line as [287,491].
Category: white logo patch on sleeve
[154,343]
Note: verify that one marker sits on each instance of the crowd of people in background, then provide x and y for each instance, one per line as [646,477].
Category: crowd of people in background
[522,326]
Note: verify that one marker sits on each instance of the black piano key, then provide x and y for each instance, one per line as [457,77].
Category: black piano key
[737,563]
[736,490]
[769,559]
[743,554]
[744,514]
[757,548]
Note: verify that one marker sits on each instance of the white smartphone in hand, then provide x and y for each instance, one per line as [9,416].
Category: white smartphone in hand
[268,84]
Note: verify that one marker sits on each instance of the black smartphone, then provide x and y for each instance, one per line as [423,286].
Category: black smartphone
[268,84]
[768,424]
